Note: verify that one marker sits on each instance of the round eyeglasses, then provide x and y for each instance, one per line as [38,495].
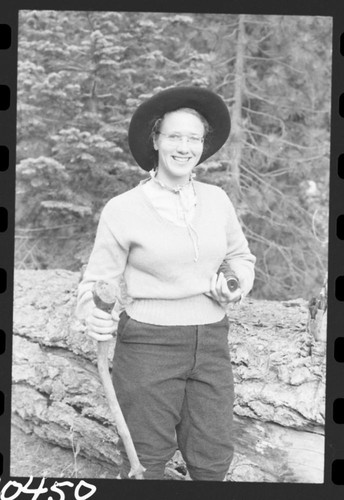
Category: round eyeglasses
[176,138]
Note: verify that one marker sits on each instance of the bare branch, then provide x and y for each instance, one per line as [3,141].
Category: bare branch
[260,98]
[268,115]
[296,205]
[276,60]
[32,230]
[314,228]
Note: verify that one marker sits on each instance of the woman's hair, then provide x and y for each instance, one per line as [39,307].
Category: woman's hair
[157,124]
[158,121]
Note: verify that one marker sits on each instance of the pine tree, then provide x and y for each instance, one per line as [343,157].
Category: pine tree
[82,74]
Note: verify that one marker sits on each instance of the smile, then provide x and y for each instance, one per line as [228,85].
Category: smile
[181,159]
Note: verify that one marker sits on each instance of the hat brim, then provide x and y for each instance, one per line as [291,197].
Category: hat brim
[206,102]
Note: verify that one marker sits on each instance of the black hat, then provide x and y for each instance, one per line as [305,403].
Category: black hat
[206,102]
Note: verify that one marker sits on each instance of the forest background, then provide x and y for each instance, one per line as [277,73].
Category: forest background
[81,75]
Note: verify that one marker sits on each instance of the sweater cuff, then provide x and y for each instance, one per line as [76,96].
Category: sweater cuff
[84,306]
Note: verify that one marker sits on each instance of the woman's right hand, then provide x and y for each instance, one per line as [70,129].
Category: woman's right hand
[101,325]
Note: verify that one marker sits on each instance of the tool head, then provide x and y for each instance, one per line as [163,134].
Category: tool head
[104,296]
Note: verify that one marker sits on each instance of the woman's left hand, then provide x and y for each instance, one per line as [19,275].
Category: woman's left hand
[220,292]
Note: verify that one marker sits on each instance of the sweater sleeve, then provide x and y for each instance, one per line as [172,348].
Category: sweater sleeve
[238,258]
[107,262]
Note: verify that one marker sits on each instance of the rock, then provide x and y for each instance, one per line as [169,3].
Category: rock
[279,372]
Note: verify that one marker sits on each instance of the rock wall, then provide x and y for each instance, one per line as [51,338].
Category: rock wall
[279,375]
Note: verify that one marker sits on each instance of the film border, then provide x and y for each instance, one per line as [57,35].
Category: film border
[334,438]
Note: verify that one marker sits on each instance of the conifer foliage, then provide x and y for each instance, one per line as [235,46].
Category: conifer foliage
[82,74]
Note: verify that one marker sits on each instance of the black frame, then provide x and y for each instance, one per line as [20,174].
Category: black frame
[333,486]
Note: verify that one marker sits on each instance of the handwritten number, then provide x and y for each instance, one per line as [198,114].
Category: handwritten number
[7,486]
[55,488]
[36,492]
[91,487]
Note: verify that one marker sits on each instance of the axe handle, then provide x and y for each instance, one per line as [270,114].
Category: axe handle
[136,469]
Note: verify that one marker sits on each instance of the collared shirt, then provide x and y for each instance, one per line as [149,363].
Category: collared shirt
[176,206]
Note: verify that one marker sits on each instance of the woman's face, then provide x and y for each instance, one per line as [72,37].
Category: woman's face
[178,157]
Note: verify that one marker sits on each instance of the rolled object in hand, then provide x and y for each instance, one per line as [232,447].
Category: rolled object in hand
[230,277]
[233,284]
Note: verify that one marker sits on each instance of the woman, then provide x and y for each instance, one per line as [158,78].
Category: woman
[168,237]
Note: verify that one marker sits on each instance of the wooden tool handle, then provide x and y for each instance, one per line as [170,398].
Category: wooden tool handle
[105,299]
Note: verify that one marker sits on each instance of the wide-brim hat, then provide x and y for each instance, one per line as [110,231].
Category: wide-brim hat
[210,105]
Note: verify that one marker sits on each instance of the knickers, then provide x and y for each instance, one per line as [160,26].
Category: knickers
[175,388]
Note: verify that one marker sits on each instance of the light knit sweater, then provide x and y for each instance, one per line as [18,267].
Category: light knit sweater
[164,280]
[176,205]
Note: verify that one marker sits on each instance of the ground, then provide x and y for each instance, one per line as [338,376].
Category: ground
[30,455]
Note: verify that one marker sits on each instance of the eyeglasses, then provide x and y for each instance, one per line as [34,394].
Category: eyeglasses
[175,138]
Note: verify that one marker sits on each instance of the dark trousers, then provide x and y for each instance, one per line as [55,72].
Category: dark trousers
[175,388]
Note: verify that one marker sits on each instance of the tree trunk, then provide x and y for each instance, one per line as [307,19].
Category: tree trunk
[279,372]
[235,144]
